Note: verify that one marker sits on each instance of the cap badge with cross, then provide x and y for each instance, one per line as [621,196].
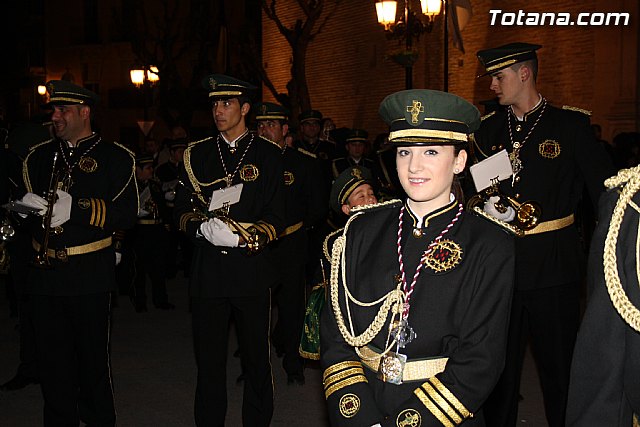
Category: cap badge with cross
[415,109]
[356,173]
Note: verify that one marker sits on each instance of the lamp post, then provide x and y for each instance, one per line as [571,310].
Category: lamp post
[407,27]
[144,77]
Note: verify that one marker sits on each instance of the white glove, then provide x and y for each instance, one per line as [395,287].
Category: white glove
[118,258]
[490,208]
[34,201]
[218,233]
[169,196]
[62,209]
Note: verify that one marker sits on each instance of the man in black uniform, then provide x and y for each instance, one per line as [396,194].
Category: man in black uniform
[355,145]
[71,281]
[150,239]
[604,388]
[167,173]
[305,207]
[231,274]
[553,155]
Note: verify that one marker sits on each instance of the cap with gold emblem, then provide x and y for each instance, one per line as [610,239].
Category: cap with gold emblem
[357,135]
[270,111]
[174,144]
[221,86]
[505,56]
[310,115]
[346,183]
[62,92]
[428,117]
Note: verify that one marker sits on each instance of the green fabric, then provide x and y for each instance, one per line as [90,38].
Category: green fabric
[310,340]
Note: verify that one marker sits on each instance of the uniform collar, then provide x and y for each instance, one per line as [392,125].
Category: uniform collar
[534,111]
[435,218]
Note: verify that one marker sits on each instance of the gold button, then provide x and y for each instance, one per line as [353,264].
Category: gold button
[517,179]
[493,148]
[517,195]
[501,146]
[417,233]
[518,128]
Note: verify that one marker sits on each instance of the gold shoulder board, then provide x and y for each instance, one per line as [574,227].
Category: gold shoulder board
[308,153]
[579,110]
[486,116]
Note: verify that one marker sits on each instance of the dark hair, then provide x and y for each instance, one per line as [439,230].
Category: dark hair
[531,64]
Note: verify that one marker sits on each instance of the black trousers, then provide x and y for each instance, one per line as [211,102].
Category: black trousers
[150,248]
[211,318]
[550,318]
[289,256]
[72,336]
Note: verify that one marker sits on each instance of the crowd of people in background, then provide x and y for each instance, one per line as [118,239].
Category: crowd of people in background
[154,214]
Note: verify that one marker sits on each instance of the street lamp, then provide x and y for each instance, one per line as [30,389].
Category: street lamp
[144,77]
[407,27]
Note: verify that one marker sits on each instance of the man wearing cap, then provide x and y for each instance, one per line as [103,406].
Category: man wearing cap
[167,173]
[352,188]
[553,155]
[72,280]
[355,145]
[231,270]
[414,330]
[305,207]
[150,239]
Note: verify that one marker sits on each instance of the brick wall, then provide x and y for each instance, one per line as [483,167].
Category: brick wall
[594,68]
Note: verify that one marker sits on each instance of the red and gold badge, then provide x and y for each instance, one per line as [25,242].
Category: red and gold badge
[249,173]
[87,164]
[349,405]
[288,178]
[549,149]
[444,256]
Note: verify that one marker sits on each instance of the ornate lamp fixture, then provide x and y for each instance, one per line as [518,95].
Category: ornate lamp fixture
[407,27]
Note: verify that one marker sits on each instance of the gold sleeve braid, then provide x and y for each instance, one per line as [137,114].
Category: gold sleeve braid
[442,403]
[630,178]
[342,375]
[98,212]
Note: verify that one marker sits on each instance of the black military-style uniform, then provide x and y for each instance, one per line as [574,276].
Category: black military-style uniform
[150,240]
[459,310]
[604,388]
[73,349]
[167,173]
[559,157]
[227,281]
[305,207]
[325,152]
[390,184]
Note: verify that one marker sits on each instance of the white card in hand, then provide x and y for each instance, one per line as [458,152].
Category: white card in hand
[225,197]
[495,167]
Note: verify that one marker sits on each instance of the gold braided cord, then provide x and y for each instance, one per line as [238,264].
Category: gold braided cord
[631,180]
[391,301]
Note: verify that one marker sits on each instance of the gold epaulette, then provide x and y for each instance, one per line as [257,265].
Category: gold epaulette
[270,141]
[622,177]
[325,244]
[486,116]
[33,147]
[376,206]
[192,143]
[579,110]
[128,150]
[308,153]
